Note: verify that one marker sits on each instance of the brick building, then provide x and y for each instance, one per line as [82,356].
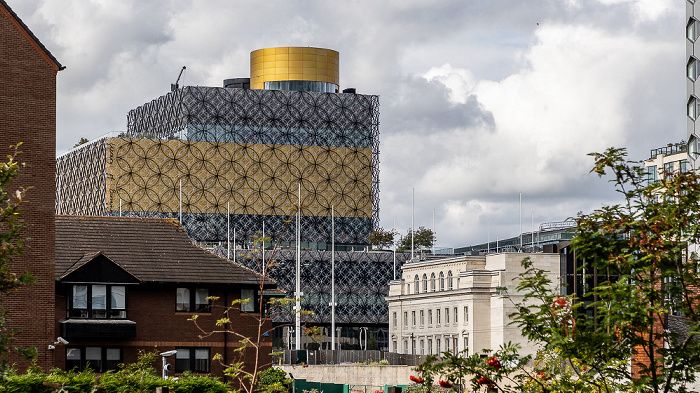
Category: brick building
[28,115]
[128,284]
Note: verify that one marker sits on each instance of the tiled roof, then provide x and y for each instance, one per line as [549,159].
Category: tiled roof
[151,249]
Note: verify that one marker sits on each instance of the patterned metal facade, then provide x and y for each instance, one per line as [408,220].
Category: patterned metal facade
[210,151]
[362,282]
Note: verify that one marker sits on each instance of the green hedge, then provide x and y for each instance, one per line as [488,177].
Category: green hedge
[127,380]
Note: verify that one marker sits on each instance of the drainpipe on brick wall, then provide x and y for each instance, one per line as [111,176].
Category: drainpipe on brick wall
[225,336]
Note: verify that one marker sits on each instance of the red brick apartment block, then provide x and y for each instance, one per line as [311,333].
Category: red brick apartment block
[125,284]
[28,115]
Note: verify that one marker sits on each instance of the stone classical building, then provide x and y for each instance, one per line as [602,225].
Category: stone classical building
[455,304]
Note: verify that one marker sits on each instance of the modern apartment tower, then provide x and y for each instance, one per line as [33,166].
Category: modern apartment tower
[692,50]
[234,158]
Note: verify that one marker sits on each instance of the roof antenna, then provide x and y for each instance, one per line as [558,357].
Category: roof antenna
[175,86]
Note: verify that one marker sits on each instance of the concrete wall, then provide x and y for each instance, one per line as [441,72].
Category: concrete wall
[353,374]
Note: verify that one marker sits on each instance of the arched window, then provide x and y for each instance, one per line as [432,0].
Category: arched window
[425,282]
[416,284]
[432,282]
[450,285]
[442,281]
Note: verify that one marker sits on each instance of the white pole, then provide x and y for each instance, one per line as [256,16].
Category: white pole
[393,229]
[234,244]
[521,222]
[263,249]
[120,207]
[297,296]
[496,244]
[413,199]
[180,201]
[432,251]
[228,230]
[532,234]
[332,277]
[488,236]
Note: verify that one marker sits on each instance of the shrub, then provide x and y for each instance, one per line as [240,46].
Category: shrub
[198,384]
[273,379]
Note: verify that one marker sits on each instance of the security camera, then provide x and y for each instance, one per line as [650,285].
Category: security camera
[168,367]
[61,340]
[51,347]
[169,353]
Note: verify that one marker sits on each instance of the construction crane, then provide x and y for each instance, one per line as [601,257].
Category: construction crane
[175,86]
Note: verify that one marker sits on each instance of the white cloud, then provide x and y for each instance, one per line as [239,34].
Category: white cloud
[479,100]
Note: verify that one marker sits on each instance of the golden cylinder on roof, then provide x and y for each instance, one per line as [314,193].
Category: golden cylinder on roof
[293,64]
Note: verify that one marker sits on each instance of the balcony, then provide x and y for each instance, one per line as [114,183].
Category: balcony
[97,328]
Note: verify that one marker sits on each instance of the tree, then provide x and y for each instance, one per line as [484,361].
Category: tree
[381,238]
[648,278]
[423,239]
[81,141]
[11,245]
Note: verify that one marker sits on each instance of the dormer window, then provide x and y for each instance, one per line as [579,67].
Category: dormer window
[99,301]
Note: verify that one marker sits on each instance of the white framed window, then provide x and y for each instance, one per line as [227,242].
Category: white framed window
[466,314]
[430,346]
[691,30]
[693,108]
[447,318]
[692,69]
[97,301]
[430,317]
[455,315]
[422,318]
[248,300]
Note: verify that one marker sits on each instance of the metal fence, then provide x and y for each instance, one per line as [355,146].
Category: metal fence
[323,357]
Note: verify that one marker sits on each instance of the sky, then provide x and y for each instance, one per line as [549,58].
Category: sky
[480,101]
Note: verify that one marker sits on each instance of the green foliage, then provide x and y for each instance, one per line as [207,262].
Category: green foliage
[273,380]
[372,342]
[29,382]
[639,249]
[81,141]
[136,377]
[423,239]
[381,238]
[189,383]
[11,225]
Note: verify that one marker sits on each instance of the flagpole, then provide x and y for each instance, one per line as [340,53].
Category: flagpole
[413,209]
[297,295]
[332,277]
[228,230]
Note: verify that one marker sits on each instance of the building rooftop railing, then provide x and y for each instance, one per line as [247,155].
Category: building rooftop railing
[669,149]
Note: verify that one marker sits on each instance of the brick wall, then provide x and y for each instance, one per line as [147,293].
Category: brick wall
[28,115]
